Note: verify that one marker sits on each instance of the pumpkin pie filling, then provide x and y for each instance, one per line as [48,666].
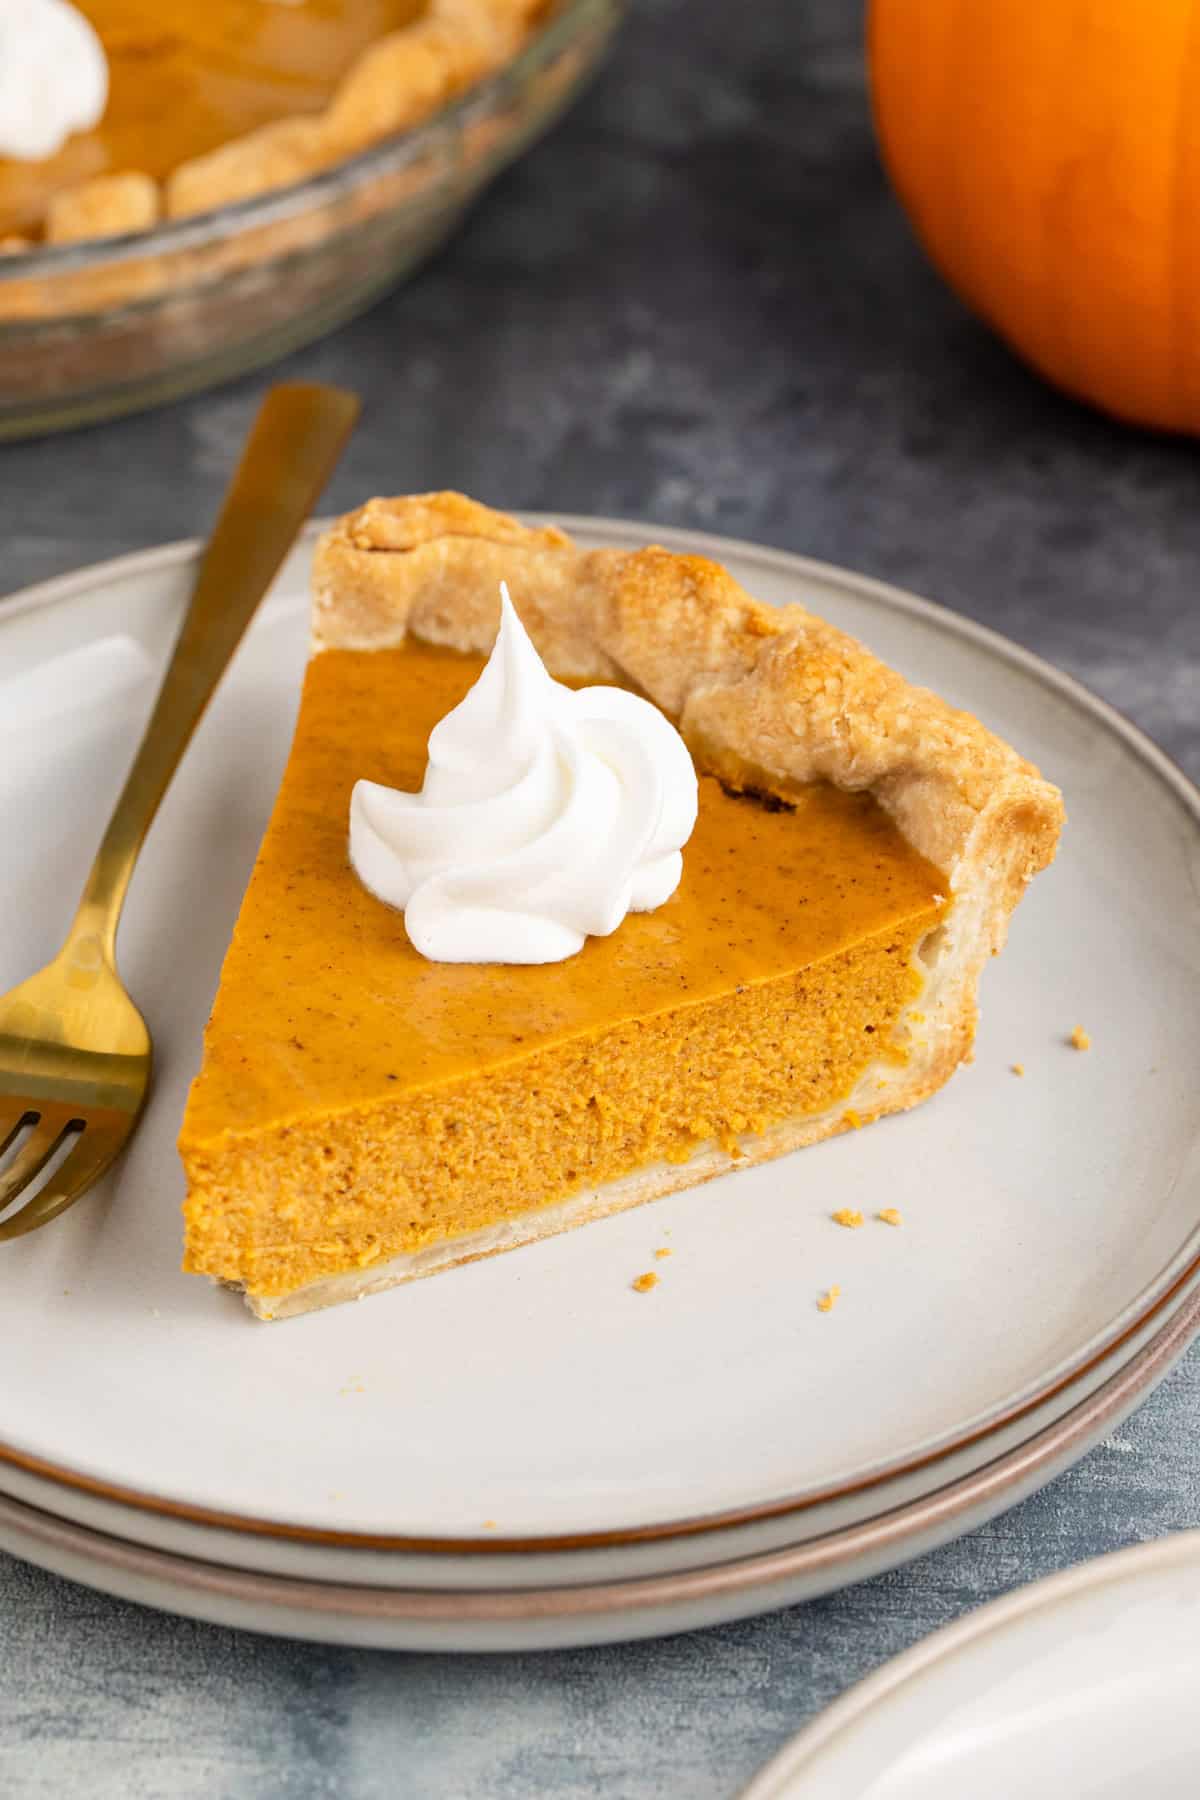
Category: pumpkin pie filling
[358,1103]
[185,79]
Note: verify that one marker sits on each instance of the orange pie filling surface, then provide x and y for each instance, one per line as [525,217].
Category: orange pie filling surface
[186,76]
[358,1102]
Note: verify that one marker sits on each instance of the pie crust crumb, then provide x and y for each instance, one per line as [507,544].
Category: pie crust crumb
[829,1299]
[1080,1039]
[645,1282]
[1017,1068]
[890,1215]
[847,1216]
[662,1251]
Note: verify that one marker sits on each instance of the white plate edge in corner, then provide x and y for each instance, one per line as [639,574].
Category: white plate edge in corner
[815,1750]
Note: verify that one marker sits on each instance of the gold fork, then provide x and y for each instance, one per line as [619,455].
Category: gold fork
[75,1053]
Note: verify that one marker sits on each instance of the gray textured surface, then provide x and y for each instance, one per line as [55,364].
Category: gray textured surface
[695,304]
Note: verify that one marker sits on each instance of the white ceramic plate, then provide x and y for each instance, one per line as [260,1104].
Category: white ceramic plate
[535,1398]
[355,1608]
[1084,1685]
[824,1543]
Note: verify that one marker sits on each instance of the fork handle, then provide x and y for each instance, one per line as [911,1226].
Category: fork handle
[297,438]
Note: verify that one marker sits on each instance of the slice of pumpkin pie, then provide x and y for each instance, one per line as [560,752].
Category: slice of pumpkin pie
[510,959]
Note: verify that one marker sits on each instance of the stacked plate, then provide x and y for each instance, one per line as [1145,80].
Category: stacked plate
[526,1451]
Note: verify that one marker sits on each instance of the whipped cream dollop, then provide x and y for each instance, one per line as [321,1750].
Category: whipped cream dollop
[545,816]
[53,77]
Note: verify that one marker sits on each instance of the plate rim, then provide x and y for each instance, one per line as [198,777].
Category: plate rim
[887,1540]
[1110,1568]
[1155,1299]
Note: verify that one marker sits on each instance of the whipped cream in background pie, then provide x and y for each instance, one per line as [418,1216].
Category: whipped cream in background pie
[53,77]
[547,813]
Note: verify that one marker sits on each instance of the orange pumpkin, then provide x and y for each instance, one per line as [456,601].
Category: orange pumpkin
[1048,155]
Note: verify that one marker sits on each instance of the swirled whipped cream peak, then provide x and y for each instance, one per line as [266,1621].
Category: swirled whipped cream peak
[53,77]
[546,815]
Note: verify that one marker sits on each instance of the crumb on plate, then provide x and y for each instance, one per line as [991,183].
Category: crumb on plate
[645,1282]
[1080,1039]
[890,1215]
[828,1300]
[662,1251]
[847,1216]
[1017,1068]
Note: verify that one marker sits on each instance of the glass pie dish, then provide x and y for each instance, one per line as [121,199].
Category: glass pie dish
[92,330]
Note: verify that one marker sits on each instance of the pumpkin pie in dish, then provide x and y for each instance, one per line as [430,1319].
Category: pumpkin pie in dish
[165,109]
[365,1114]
